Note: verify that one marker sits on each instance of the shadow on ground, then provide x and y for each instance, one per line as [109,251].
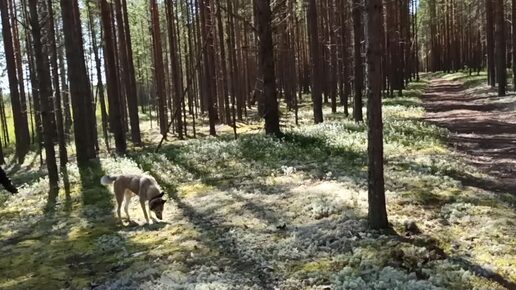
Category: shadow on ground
[482,126]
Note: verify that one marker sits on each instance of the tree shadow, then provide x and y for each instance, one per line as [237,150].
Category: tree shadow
[64,247]
[423,192]
[213,233]
[432,246]
[216,233]
[483,131]
[67,189]
[403,102]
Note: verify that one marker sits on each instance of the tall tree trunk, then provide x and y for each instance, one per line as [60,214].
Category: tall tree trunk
[128,78]
[224,103]
[316,74]
[377,211]
[34,100]
[80,90]
[345,56]
[236,102]
[207,27]
[21,126]
[158,67]
[65,89]
[19,69]
[115,114]
[359,60]
[266,55]
[63,156]
[332,31]
[174,59]
[490,41]
[514,45]
[501,63]
[100,82]
[45,91]
[3,119]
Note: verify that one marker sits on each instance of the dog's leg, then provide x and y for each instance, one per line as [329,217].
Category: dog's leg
[144,208]
[119,199]
[126,206]
[118,211]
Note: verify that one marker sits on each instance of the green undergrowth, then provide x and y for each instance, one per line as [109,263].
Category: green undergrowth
[260,211]
[469,80]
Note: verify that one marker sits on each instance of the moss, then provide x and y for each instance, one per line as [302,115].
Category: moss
[420,183]
[193,189]
[9,213]
[323,265]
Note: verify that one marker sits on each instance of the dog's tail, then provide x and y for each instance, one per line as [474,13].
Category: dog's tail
[107,180]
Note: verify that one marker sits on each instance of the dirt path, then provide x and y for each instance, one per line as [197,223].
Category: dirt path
[483,128]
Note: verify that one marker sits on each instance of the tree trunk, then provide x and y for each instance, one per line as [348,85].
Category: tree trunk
[176,79]
[45,91]
[115,114]
[63,156]
[490,42]
[100,82]
[64,87]
[377,212]
[19,69]
[501,64]
[514,45]
[315,61]
[207,27]
[158,68]
[359,60]
[80,90]
[35,107]
[224,103]
[21,127]
[266,55]
[126,63]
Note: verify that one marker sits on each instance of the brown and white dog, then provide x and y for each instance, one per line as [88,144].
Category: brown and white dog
[145,187]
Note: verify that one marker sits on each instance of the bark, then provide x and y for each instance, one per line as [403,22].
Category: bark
[501,63]
[266,55]
[359,60]
[100,82]
[209,61]
[63,156]
[377,215]
[490,43]
[514,45]
[128,77]
[40,43]
[65,89]
[115,114]
[34,104]
[176,80]
[19,69]
[224,103]
[80,90]
[316,72]
[21,127]
[158,67]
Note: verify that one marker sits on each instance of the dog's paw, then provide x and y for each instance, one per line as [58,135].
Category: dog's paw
[133,224]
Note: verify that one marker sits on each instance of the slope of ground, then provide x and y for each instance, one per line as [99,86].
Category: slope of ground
[261,213]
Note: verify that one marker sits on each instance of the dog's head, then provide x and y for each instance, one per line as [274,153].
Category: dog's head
[156,205]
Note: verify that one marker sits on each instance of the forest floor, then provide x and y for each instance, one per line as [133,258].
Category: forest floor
[263,213]
[482,126]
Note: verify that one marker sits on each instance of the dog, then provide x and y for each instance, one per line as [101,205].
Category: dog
[6,182]
[145,187]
